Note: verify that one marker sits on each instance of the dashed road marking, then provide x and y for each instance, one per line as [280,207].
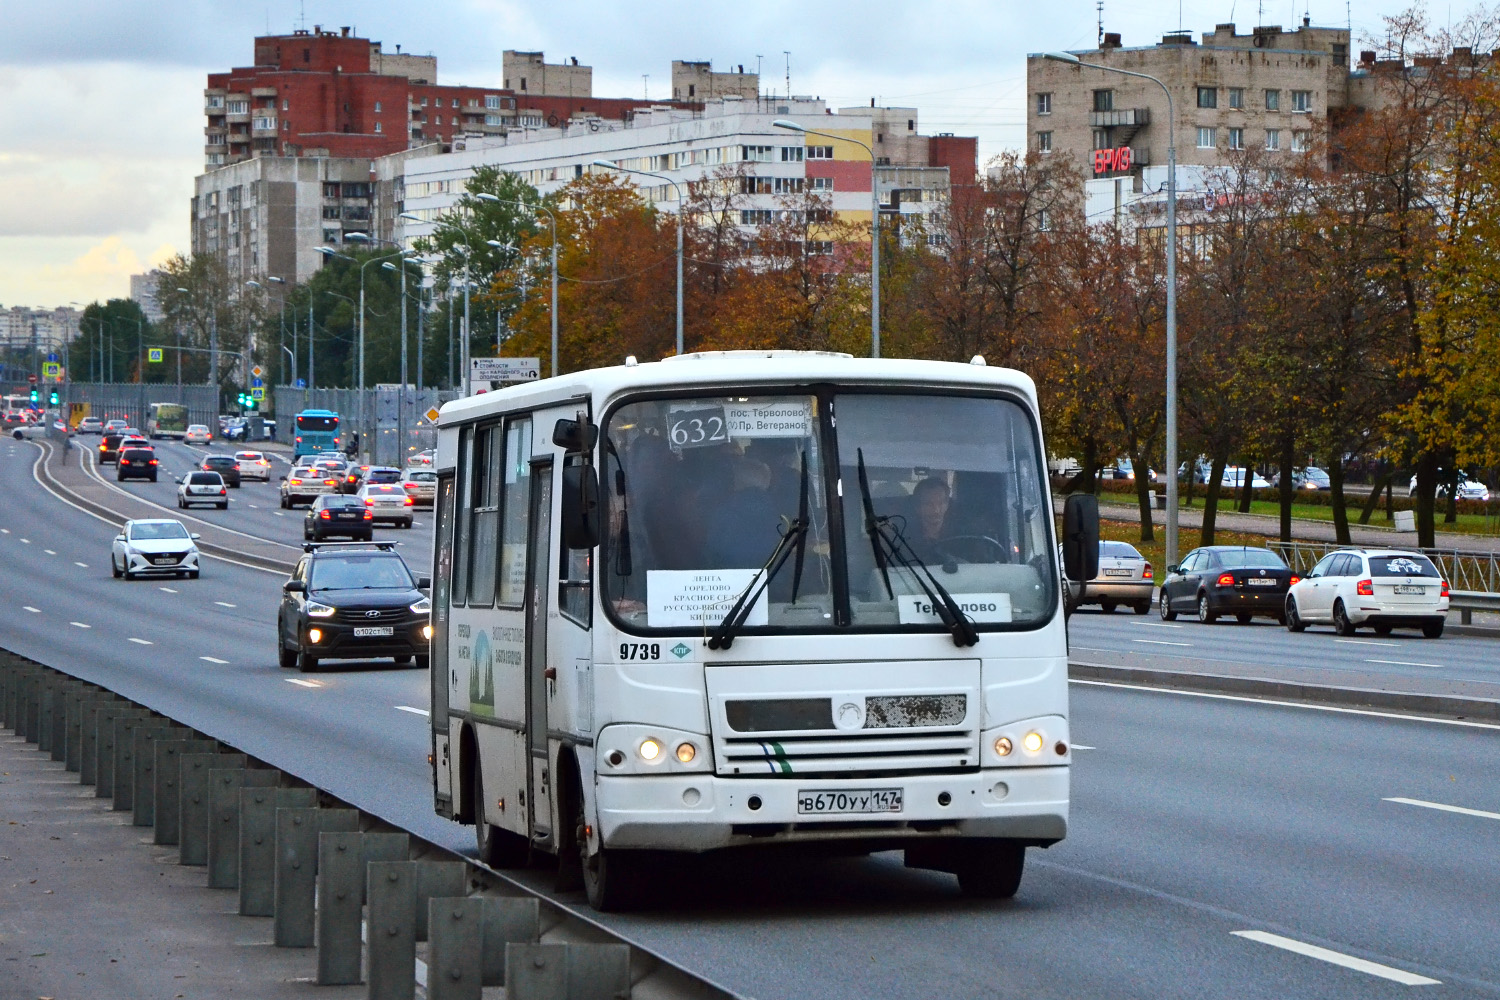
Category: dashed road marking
[1368,642]
[25,541]
[49,552]
[1405,663]
[413,710]
[80,625]
[142,642]
[167,589]
[1156,625]
[84,565]
[1445,808]
[1338,958]
[1080,746]
[213,659]
[1161,642]
[303,683]
[224,604]
[35,611]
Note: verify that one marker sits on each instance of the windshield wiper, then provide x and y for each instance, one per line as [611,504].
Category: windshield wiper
[793,538]
[890,545]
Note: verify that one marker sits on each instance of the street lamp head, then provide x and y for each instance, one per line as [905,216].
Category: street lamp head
[357,237]
[784,123]
[184,291]
[387,266]
[253,284]
[498,245]
[325,251]
[409,217]
[486,196]
[276,281]
[607,164]
[1062,57]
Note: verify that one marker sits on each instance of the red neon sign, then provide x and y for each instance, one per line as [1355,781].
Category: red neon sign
[1106,160]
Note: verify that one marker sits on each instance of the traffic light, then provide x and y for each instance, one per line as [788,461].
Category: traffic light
[53,398]
[36,394]
[250,403]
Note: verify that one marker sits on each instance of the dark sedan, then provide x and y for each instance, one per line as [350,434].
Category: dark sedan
[135,463]
[1226,580]
[225,465]
[335,514]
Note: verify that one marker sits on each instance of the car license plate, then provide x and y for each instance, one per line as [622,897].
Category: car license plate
[849,800]
[1117,572]
[1256,581]
[347,517]
[163,560]
[374,632]
[1407,588]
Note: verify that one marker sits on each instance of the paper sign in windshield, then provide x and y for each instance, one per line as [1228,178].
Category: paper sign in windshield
[698,597]
[916,609]
[785,418]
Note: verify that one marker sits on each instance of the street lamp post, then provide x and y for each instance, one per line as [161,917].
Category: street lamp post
[329,252]
[552,219]
[874,226]
[1171,470]
[401,399]
[681,207]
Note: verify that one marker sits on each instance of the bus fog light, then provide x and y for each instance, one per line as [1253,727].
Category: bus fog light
[1000,790]
[1061,748]
[314,635]
[615,758]
[691,796]
[686,752]
[1003,746]
[650,749]
[1032,742]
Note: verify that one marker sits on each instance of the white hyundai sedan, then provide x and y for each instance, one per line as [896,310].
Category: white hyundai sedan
[254,465]
[156,545]
[197,434]
[1377,588]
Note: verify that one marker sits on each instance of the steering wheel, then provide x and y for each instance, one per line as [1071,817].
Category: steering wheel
[1000,552]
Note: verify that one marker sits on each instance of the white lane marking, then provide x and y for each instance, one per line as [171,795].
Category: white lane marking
[35,611]
[1463,723]
[4,531]
[1405,663]
[423,711]
[277,513]
[84,565]
[1094,649]
[224,604]
[1338,958]
[142,642]
[167,589]
[1367,642]
[1445,808]
[49,552]
[253,507]
[1076,746]
[1161,642]
[25,541]
[213,659]
[80,625]
[1156,625]
[302,683]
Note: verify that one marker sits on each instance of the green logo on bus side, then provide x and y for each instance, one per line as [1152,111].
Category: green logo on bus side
[680,650]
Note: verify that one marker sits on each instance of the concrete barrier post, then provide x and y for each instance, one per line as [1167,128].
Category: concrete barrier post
[62,690]
[7,690]
[88,740]
[192,825]
[258,844]
[446,879]
[296,869]
[342,858]
[224,820]
[143,797]
[30,706]
[167,796]
[455,935]
[507,920]
[104,745]
[124,778]
[567,971]
[45,685]
[391,929]
[73,745]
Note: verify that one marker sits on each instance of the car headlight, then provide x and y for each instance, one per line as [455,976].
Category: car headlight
[422,607]
[316,610]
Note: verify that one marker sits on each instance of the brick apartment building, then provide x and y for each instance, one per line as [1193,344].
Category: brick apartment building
[332,93]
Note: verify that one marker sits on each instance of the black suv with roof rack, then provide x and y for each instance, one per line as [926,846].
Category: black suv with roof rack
[353,601]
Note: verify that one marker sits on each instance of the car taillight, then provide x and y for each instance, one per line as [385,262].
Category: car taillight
[221,491]
[369,502]
[299,437]
[1146,573]
[295,482]
[326,516]
[1365,588]
[330,482]
[351,479]
[1295,579]
[104,447]
[369,516]
[1445,589]
[1226,579]
[409,501]
[153,461]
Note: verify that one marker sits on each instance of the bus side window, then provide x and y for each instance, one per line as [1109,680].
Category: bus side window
[463,518]
[575,589]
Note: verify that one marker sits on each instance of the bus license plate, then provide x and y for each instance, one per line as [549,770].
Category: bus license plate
[849,800]
[374,631]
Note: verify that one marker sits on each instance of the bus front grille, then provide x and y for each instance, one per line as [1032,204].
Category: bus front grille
[866,752]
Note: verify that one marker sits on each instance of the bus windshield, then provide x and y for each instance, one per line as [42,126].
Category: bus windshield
[309,423]
[701,490]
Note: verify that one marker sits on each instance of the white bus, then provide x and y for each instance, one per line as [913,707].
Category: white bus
[167,420]
[751,598]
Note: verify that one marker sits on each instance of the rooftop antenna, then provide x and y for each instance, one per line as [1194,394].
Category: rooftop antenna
[646,86]
[788,54]
[758,88]
[302,15]
[1100,7]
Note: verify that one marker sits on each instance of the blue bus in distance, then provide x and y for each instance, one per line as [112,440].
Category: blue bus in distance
[317,431]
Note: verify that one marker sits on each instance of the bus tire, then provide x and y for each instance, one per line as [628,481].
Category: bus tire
[497,848]
[614,881]
[991,869]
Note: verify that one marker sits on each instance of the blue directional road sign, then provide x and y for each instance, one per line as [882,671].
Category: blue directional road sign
[256,383]
[302,383]
[51,356]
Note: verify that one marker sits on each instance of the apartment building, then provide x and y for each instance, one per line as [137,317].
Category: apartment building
[697,81]
[914,173]
[143,291]
[23,328]
[1269,90]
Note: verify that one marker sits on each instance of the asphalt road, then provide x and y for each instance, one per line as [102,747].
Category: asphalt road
[1196,820]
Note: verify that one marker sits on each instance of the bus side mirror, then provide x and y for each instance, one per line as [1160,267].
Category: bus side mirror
[580,507]
[575,435]
[1081,537]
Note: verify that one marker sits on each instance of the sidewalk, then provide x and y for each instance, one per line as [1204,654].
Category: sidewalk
[89,907]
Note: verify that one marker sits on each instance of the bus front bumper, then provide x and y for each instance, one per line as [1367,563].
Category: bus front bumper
[703,812]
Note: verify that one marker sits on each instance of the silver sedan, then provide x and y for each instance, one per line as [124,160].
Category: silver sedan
[1125,577]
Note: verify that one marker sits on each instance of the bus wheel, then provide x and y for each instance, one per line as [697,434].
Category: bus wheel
[991,869]
[497,848]
[613,880]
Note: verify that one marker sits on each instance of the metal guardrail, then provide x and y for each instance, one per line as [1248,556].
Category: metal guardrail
[1473,577]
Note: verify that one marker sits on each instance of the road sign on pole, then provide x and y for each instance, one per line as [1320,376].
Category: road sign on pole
[154,354]
[432,415]
[51,356]
[51,369]
[258,393]
[487,374]
[257,372]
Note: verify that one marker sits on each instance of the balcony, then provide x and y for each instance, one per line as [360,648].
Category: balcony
[262,91]
[1131,117]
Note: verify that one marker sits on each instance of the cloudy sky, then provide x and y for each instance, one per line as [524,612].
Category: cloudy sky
[101,123]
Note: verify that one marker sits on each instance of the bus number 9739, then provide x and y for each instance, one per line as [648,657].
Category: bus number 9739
[640,650]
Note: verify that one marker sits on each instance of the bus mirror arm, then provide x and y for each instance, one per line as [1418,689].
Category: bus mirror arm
[580,507]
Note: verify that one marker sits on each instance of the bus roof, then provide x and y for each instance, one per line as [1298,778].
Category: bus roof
[317,413]
[710,368]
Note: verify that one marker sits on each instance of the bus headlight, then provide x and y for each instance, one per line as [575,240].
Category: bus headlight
[1003,746]
[1033,742]
[641,749]
[686,752]
[649,749]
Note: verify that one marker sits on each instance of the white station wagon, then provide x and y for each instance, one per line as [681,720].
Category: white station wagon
[1379,588]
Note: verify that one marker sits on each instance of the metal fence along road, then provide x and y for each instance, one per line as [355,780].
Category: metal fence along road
[131,401]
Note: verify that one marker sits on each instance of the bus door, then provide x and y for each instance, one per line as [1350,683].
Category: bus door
[538,568]
[440,672]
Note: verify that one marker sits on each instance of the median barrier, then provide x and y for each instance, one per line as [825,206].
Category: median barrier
[333,874]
